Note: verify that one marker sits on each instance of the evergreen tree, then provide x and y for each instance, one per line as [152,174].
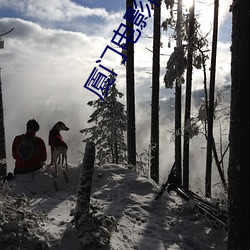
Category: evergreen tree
[3,164]
[210,139]
[130,93]
[187,116]
[154,167]
[238,170]
[110,120]
[3,161]
[188,53]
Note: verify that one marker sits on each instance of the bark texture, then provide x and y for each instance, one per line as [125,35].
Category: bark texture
[154,169]
[130,86]
[93,228]
[239,161]
[85,183]
[3,162]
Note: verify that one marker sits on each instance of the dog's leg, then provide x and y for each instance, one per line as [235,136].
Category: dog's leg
[56,170]
[63,157]
[59,159]
[66,161]
[65,175]
[51,156]
[55,158]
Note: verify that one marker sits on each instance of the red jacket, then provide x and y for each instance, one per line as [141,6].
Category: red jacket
[55,139]
[37,159]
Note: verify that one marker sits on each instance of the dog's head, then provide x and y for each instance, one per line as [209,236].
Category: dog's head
[61,126]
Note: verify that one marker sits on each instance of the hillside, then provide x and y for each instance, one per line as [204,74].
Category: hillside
[141,221]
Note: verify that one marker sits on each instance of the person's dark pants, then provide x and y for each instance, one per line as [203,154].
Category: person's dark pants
[25,171]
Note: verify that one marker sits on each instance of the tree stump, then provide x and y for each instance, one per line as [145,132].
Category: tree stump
[84,187]
[92,227]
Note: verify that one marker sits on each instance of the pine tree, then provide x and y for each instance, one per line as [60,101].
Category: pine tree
[238,170]
[189,53]
[110,120]
[3,164]
[3,161]
[210,138]
[130,93]
[154,167]
[191,26]
[178,93]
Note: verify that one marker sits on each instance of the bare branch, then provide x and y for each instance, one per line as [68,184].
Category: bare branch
[7,32]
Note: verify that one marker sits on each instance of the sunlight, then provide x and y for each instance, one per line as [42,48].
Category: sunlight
[187,3]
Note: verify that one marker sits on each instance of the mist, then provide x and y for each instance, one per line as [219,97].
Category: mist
[45,68]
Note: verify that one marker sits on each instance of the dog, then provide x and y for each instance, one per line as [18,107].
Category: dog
[58,146]
[57,152]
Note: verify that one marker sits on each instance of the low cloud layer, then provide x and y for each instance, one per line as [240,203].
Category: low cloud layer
[49,56]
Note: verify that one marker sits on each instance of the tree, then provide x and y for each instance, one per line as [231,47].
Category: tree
[154,168]
[130,82]
[3,160]
[239,159]
[83,192]
[188,53]
[178,98]
[210,139]
[188,96]
[110,124]
[3,163]
[91,227]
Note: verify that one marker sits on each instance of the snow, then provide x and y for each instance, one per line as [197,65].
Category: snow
[142,222]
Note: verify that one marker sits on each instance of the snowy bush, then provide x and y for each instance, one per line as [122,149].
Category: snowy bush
[20,228]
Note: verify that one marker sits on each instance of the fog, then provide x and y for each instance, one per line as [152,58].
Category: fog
[44,69]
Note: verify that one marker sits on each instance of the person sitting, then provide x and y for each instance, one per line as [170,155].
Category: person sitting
[29,150]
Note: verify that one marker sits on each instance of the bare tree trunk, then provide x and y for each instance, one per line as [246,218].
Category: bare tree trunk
[218,164]
[239,159]
[130,82]
[211,102]
[81,215]
[116,152]
[3,161]
[93,231]
[154,168]
[188,98]
[178,157]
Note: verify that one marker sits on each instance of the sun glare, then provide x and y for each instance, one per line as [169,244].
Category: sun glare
[187,3]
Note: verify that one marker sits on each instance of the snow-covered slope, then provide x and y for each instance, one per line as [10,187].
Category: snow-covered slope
[141,221]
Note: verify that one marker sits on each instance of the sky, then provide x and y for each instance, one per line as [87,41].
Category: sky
[54,47]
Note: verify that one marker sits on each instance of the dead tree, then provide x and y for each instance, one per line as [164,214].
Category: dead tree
[92,228]
[84,187]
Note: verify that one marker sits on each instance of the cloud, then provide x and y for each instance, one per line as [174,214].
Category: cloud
[47,60]
[56,10]
[43,73]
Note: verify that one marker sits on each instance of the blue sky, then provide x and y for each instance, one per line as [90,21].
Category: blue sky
[109,5]
[61,14]
[52,51]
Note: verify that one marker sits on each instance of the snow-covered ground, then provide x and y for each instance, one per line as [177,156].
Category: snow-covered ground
[141,221]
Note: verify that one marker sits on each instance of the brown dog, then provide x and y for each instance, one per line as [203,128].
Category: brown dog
[58,146]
